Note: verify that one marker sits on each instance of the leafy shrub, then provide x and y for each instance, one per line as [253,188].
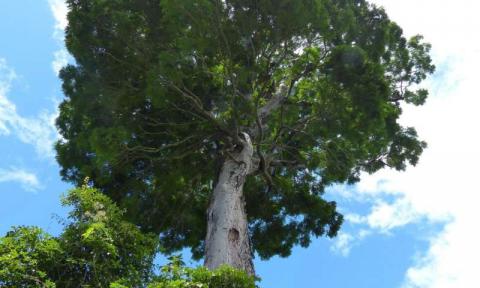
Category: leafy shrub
[96,248]
[26,255]
[176,275]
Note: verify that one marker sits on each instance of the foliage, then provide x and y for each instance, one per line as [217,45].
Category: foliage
[26,255]
[97,247]
[161,90]
[175,275]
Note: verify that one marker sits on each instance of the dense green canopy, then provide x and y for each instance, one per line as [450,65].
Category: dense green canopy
[161,90]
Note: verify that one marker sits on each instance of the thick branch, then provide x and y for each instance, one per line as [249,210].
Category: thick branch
[273,103]
[288,163]
[196,103]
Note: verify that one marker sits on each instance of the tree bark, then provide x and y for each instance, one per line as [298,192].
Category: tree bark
[227,241]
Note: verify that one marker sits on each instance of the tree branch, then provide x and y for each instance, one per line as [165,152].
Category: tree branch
[196,103]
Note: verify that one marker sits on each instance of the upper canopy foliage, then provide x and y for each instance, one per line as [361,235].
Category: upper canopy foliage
[161,90]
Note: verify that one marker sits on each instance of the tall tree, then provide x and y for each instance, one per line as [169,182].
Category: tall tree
[219,123]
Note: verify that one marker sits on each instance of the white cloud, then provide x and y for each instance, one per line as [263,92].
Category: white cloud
[59,11]
[29,181]
[451,260]
[61,59]
[39,132]
[385,217]
[344,242]
[7,75]
[443,187]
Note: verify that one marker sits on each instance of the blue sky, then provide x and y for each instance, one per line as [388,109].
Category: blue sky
[405,230]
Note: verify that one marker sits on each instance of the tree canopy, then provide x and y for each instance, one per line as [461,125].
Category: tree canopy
[161,92]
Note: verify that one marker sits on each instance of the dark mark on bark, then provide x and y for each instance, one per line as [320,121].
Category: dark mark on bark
[233,236]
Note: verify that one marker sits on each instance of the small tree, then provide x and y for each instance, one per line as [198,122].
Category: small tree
[218,124]
[97,247]
[26,253]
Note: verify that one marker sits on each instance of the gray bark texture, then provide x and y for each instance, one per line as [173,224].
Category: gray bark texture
[227,241]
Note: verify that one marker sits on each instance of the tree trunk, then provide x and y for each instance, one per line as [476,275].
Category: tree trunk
[227,241]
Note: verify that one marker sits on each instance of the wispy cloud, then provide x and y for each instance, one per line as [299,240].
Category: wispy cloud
[59,11]
[344,242]
[7,75]
[443,187]
[60,60]
[28,180]
[39,131]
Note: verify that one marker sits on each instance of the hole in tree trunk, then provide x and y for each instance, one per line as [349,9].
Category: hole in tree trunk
[233,235]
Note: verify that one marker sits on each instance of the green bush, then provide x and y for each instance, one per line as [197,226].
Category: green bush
[176,275]
[26,255]
[96,248]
